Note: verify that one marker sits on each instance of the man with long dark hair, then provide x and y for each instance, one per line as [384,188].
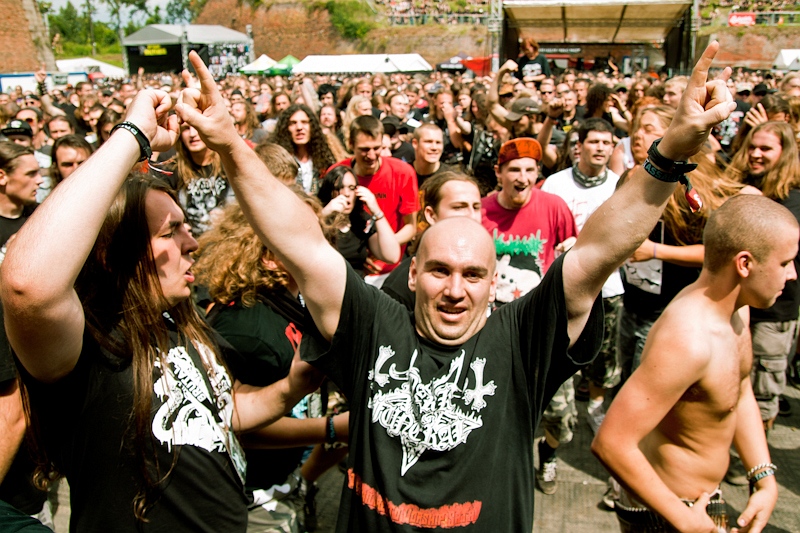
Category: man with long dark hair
[127,393]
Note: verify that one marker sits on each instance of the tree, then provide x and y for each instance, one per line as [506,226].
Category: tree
[69,23]
[184,11]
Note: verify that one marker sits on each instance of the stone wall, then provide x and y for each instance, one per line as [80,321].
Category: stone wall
[23,40]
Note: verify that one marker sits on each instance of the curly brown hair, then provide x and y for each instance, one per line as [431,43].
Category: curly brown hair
[232,260]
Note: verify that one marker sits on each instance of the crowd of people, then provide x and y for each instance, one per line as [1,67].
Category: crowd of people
[208,287]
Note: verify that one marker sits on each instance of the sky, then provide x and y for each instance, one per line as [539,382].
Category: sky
[101,11]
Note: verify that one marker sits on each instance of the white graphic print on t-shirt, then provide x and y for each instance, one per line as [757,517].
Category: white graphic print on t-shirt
[423,415]
[186,417]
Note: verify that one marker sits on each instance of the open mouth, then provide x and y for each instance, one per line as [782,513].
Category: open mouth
[520,188]
[451,313]
[189,276]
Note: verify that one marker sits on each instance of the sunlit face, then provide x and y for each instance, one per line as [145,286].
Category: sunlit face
[59,128]
[672,95]
[581,89]
[547,90]
[453,275]
[192,141]
[570,101]
[574,147]
[429,146]
[457,198]
[327,117]
[768,277]
[20,184]
[517,178]
[398,106]
[366,151]
[638,90]
[792,87]
[569,79]
[326,99]
[238,112]
[764,152]
[650,129]
[442,100]
[596,150]
[464,100]
[68,159]
[348,190]
[300,128]
[363,108]
[172,243]
[364,89]
[281,103]
[29,116]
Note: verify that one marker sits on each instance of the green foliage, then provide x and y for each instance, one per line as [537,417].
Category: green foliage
[351,18]
[183,11]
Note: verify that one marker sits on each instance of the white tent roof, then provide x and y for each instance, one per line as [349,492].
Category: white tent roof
[595,21]
[195,34]
[87,64]
[263,63]
[785,59]
[363,63]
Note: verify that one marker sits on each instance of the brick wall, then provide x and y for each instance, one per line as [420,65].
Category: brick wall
[23,44]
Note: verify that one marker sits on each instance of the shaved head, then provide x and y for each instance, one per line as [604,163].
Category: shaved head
[459,231]
[454,277]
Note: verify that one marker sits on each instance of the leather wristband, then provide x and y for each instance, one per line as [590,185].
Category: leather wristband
[665,169]
[144,145]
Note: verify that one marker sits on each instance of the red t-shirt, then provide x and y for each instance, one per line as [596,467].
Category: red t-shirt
[525,240]
[395,189]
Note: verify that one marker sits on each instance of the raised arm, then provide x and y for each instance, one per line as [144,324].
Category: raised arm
[38,275]
[623,222]
[282,221]
[497,111]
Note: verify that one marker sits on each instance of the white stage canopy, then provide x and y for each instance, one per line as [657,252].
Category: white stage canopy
[355,63]
[595,21]
[87,64]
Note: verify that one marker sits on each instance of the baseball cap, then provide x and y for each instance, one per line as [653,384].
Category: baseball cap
[760,89]
[519,148]
[391,125]
[521,107]
[620,87]
[743,87]
[17,127]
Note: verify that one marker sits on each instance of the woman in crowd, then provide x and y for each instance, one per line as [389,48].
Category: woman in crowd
[199,180]
[357,233]
[357,107]
[106,123]
[298,130]
[602,102]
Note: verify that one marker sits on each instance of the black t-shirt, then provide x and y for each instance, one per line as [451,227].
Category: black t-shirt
[405,153]
[442,436]
[354,246]
[85,420]
[202,195]
[396,285]
[788,303]
[9,226]
[266,342]
[532,67]
[422,177]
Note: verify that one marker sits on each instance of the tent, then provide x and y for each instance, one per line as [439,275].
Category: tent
[259,66]
[787,58]
[90,65]
[165,48]
[284,67]
[357,63]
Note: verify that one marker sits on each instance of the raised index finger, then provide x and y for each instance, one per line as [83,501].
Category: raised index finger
[207,84]
[700,71]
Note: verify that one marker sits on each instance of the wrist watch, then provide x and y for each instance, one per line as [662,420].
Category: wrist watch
[665,169]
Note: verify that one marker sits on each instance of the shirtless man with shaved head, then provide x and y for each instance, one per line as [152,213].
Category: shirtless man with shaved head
[445,401]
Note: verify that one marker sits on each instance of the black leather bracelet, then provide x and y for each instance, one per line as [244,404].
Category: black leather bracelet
[659,174]
[144,145]
[668,166]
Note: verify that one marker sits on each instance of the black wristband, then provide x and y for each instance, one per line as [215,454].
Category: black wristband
[42,86]
[144,145]
[669,166]
[330,431]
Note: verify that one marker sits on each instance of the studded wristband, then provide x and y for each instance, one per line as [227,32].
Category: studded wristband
[144,145]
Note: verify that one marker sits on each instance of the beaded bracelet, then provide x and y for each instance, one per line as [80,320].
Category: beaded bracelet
[760,467]
[330,431]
